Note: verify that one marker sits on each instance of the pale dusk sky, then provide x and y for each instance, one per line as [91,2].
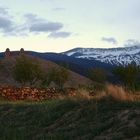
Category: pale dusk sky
[60,25]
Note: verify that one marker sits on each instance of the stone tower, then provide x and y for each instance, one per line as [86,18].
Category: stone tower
[7,53]
[21,51]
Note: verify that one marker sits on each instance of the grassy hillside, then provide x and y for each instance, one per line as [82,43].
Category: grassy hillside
[6,71]
[70,119]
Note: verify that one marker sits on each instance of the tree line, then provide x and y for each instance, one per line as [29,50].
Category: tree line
[127,76]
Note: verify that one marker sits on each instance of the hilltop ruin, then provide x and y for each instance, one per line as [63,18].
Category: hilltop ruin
[8,53]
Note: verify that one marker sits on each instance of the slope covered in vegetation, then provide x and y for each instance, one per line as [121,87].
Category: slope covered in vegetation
[69,119]
[8,77]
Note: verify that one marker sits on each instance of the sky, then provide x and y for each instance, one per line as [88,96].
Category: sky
[60,25]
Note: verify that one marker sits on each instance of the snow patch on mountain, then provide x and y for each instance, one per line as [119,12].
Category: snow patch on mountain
[114,56]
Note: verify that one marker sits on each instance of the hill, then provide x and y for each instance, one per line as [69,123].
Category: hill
[70,119]
[7,64]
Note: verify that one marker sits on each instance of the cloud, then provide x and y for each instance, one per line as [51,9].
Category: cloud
[30,18]
[9,28]
[32,23]
[59,34]
[131,42]
[58,9]
[46,27]
[3,11]
[6,25]
[110,40]
[37,24]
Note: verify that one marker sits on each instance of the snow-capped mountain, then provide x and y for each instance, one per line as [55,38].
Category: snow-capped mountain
[113,56]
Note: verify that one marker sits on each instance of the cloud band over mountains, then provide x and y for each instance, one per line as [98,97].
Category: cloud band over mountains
[110,40]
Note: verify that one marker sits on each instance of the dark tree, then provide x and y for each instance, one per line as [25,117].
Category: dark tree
[129,75]
[97,75]
[27,71]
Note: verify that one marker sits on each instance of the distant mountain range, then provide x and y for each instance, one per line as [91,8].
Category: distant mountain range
[113,56]
[80,60]
[78,65]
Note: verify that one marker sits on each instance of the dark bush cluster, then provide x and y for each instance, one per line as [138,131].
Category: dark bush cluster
[26,71]
[128,75]
[98,77]
[29,72]
[58,75]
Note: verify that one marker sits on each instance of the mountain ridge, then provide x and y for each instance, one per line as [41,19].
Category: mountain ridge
[113,56]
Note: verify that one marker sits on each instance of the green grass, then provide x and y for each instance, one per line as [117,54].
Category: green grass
[70,119]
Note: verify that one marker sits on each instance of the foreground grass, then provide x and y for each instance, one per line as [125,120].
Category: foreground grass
[70,119]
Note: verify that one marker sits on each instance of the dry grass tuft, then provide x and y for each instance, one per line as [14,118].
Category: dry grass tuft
[119,93]
[100,94]
[83,93]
